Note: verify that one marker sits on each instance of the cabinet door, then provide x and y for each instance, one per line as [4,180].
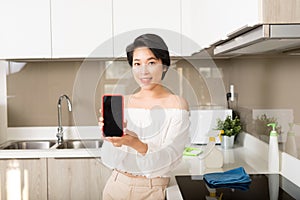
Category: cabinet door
[135,17]
[25,29]
[76,178]
[205,22]
[81,28]
[23,179]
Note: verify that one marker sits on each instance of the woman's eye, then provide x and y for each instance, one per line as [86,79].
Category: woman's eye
[136,64]
[151,63]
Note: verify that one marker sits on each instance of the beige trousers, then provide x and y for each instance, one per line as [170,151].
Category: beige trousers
[122,187]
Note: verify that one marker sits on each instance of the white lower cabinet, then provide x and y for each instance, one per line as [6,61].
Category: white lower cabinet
[76,178]
[52,178]
[23,179]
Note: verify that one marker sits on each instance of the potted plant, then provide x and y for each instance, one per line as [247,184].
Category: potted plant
[229,129]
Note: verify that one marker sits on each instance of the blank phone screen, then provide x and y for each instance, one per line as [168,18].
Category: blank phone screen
[113,115]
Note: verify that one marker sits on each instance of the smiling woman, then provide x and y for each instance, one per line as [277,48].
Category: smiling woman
[157,124]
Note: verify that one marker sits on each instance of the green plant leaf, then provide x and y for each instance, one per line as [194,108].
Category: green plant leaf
[230,126]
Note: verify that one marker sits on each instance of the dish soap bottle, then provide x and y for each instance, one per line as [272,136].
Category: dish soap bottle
[214,159]
[273,163]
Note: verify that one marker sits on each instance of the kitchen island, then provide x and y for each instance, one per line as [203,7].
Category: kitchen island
[249,153]
[233,158]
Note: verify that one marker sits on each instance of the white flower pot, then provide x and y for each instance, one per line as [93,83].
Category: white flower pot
[227,142]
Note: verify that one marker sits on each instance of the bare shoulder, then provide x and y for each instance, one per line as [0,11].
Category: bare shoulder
[127,100]
[180,102]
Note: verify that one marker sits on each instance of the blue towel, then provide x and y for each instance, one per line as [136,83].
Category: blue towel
[237,186]
[234,176]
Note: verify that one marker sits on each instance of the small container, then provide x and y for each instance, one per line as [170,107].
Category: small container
[227,142]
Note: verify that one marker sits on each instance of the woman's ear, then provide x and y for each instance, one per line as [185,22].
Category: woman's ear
[165,68]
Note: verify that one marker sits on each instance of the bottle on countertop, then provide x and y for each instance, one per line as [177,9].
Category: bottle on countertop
[214,159]
[273,164]
[290,145]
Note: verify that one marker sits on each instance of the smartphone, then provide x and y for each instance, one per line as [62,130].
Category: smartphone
[113,115]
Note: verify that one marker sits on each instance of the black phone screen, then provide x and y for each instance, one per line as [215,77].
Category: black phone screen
[113,115]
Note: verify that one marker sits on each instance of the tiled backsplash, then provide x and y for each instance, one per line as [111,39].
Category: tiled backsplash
[261,83]
[266,83]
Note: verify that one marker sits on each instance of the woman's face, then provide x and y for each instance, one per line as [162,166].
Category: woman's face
[147,69]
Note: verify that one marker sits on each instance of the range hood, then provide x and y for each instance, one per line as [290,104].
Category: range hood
[261,39]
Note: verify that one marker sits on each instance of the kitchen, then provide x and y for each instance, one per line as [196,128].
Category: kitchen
[49,59]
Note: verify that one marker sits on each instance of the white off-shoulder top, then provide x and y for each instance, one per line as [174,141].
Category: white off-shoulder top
[166,133]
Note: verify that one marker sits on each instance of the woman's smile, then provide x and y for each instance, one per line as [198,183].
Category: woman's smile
[146,80]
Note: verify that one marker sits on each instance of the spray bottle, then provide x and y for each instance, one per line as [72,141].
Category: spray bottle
[273,163]
[214,157]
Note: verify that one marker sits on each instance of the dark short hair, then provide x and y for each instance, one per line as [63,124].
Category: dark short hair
[156,45]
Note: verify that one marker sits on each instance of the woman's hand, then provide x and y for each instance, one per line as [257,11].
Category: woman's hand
[101,123]
[129,138]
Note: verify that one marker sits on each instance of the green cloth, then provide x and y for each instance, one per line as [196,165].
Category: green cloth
[192,151]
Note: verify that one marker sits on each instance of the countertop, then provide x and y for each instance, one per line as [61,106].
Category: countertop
[50,153]
[238,156]
[249,152]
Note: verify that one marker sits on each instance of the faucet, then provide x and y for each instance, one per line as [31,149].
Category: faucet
[59,134]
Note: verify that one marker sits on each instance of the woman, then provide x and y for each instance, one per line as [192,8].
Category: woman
[156,132]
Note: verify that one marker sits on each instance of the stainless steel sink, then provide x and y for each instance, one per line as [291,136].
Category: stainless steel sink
[45,144]
[30,144]
[81,144]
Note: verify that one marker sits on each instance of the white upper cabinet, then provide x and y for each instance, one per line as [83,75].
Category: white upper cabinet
[132,18]
[25,29]
[103,28]
[205,22]
[81,28]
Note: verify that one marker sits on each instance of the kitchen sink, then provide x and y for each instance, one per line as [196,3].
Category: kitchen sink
[47,144]
[80,144]
[30,144]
